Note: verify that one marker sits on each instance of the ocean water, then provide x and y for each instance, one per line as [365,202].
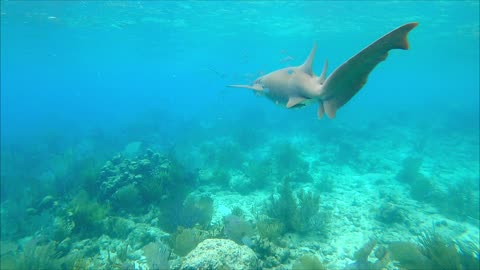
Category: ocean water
[123,148]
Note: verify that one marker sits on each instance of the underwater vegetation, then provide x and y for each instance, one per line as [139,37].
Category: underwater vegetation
[271,229]
[259,171]
[84,217]
[433,252]
[463,200]
[219,154]
[421,187]
[298,212]
[460,200]
[36,254]
[157,254]
[186,239]
[238,229]
[197,211]
[287,160]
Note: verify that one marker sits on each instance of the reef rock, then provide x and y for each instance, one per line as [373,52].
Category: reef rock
[220,254]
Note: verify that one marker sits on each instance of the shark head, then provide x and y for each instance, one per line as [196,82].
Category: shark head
[297,86]
[292,87]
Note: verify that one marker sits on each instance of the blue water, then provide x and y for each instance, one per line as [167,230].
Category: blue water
[84,79]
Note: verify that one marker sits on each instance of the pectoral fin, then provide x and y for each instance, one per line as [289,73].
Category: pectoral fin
[350,77]
[294,101]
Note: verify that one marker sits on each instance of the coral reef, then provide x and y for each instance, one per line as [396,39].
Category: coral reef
[152,177]
[220,254]
[390,213]
[308,262]
[361,257]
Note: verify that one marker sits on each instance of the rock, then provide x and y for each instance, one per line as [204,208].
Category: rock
[220,254]
[46,202]
[132,149]
[64,247]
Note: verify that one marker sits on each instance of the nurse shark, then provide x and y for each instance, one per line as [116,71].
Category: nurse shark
[295,87]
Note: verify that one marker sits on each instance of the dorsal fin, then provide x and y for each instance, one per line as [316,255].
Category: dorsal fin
[307,65]
[323,76]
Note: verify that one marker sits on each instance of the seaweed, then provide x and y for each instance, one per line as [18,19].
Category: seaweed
[410,170]
[197,211]
[300,213]
[287,159]
[463,200]
[270,229]
[38,256]
[87,215]
[469,255]
[421,187]
[307,209]
[442,254]
[284,208]
[259,171]
[185,240]
[435,252]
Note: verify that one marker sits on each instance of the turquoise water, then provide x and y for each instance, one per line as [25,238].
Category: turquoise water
[122,147]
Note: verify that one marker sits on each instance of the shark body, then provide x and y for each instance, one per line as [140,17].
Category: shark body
[298,86]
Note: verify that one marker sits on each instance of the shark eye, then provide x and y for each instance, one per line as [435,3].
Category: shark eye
[290,71]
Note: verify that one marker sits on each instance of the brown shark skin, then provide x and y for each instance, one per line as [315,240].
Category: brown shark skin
[294,87]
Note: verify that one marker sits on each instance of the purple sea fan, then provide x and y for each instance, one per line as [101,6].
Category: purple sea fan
[238,229]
